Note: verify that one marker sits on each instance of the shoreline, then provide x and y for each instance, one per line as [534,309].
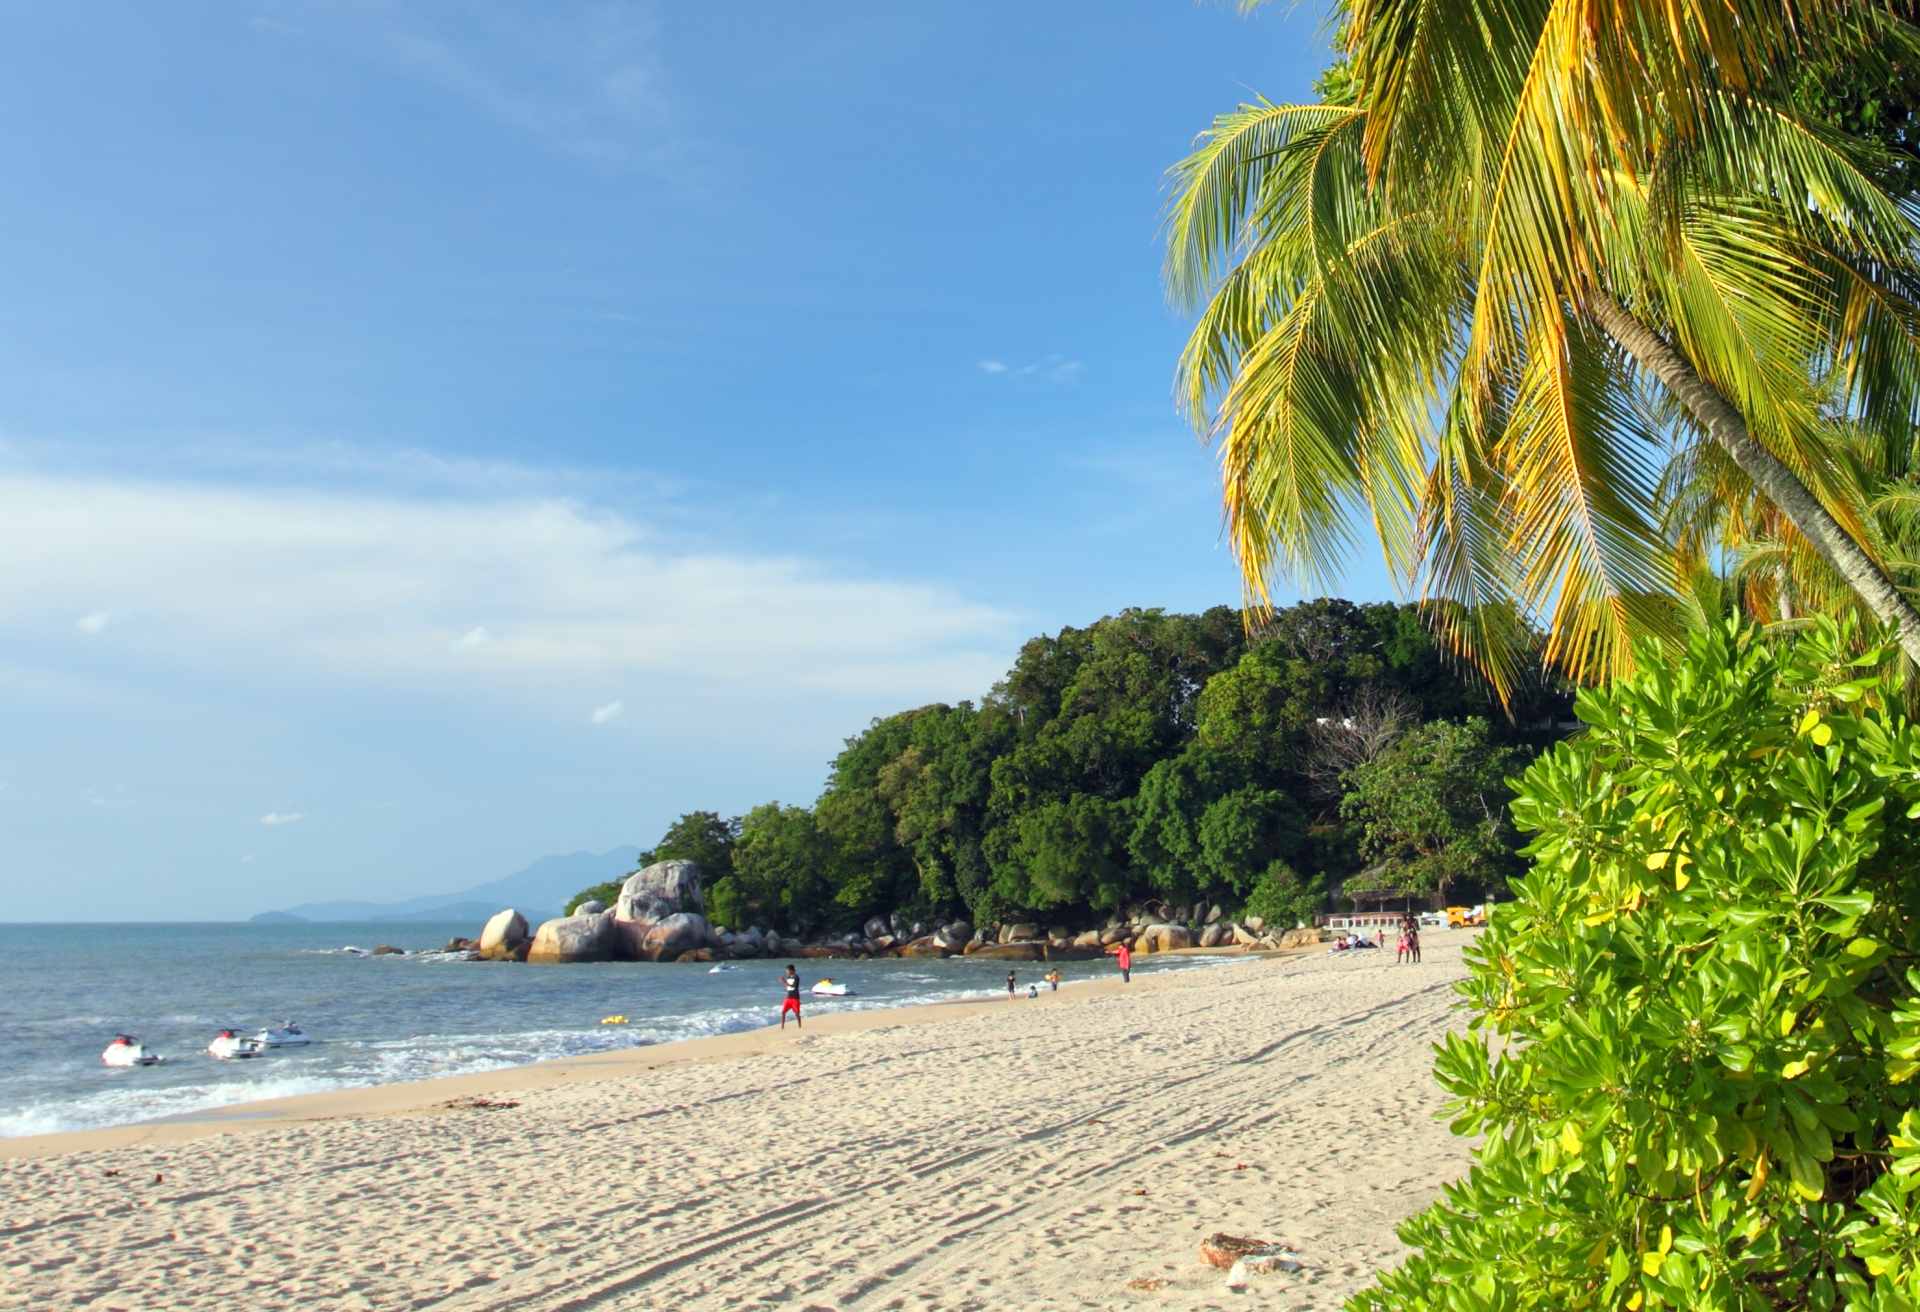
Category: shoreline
[1066,1152]
[407,1097]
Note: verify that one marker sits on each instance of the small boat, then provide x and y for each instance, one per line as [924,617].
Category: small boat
[227,1045]
[285,1035]
[125,1050]
[717,969]
[826,988]
[613,1020]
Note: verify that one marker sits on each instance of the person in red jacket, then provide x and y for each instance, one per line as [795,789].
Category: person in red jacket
[1124,959]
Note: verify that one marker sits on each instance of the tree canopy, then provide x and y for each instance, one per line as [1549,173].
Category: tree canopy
[1146,757]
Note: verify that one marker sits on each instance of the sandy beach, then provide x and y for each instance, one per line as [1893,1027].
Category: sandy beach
[1070,1152]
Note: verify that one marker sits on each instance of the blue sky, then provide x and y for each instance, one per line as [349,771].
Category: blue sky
[434,435]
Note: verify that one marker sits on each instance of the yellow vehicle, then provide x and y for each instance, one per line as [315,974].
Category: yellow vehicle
[1465,917]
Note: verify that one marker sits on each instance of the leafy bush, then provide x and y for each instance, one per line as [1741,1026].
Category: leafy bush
[1696,1025]
[1282,898]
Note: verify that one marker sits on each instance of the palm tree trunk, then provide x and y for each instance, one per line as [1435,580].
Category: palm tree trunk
[1779,484]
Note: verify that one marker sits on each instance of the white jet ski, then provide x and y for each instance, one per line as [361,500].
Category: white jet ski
[717,969]
[229,1046]
[826,988]
[284,1035]
[125,1050]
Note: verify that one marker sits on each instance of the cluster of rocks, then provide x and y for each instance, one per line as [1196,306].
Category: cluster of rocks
[660,915]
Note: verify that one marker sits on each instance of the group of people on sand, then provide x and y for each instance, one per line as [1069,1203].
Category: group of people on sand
[1409,939]
[1409,950]
[791,982]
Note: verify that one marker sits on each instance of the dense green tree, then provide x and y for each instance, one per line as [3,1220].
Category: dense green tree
[1198,826]
[1433,810]
[1164,842]
[1243,832]
[781,867]
[1066,852]
[938,789]
[704,837]
[1145,756]
[870,867]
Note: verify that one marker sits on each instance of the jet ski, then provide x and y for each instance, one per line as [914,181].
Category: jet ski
[718,969]
[285,1035]
[125,1050]
[826,988]
[229,1046]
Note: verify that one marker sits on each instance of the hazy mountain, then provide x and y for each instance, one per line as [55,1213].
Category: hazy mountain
[540,890]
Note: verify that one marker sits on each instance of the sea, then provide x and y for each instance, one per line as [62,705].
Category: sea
[66,990]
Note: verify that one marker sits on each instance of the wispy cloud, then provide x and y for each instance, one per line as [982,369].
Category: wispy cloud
[334,464]
[607,714]
[93,622]
[273,819]
[1054,368]
[282,584]
[593,85]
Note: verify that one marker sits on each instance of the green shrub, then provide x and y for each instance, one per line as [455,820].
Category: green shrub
[1282,898]
[1695,1026]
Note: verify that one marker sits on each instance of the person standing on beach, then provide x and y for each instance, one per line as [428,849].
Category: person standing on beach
[1413,944]
[792,1004]
[1124,958]
[1009,986]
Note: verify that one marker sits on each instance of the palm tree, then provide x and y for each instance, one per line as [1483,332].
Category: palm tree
[1548,254]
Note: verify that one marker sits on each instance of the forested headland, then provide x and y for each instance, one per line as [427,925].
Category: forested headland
[1333,751]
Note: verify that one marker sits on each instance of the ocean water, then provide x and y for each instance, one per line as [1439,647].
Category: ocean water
[65,990]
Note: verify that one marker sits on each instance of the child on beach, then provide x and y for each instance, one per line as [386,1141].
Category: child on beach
[1053,981]
[792,1004]
[1124,959]
[1009,986]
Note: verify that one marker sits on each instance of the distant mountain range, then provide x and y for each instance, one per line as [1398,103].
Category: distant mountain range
[537,892]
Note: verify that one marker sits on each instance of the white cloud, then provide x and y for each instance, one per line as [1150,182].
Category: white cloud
[274,818]
[279,586]
[612,711]
[93,622]
[1054,368]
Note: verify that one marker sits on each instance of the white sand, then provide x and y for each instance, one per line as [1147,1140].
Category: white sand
[1066,1153]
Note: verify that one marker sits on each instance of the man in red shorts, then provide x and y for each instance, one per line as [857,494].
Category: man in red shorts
[792,1004]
